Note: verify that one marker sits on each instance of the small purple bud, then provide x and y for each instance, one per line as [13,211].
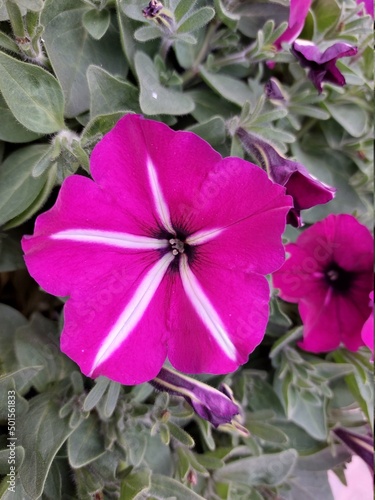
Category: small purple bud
[273,91]
[209,403]
[305,189]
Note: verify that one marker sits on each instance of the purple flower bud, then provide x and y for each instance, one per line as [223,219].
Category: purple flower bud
[322,65]
[359,444]
[209,403]
[306,190]
[273,91]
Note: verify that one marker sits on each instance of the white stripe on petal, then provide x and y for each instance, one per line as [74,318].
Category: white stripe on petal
[134,310]
[160,203]
[203,236]
[205,309]
[111,238]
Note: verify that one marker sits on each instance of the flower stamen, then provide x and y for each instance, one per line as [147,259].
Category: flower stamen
[177,246]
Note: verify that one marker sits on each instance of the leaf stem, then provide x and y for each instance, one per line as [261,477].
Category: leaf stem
[191,73]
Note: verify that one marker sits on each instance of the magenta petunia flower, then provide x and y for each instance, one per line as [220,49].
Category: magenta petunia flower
[330,275]
[298,11]
[369,6]
[306,190]
[322,65]
[368,327]
[161,255]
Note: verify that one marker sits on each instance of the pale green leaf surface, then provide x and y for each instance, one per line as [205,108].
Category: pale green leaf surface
[96,22]
[109,94]
[155,98]
[33,95]
[18,188]
[49,432]
[269,469]
[85,444]
[232,89]
[72,50]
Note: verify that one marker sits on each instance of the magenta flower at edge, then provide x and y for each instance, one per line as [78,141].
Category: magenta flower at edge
[306,190]
[330,274]
[322,65]
[368,327]
[161,255]
[298,11]
[369,6]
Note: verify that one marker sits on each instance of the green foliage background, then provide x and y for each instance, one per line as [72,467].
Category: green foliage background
[69,69]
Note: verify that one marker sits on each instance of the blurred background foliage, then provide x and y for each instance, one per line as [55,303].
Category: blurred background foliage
[69,69]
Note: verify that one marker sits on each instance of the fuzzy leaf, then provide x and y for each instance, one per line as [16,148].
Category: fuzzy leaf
[197,20]
[109,94]
[85,444]
[270,469]
[96,22]
[33,95]
[10,129]
[71,50]
[18,188]
[48,434]
[155,98]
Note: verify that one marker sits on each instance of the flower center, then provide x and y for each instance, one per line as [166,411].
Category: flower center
[177,246]
[338,278]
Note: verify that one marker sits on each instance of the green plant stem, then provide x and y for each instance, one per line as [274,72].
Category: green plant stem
[15,18]
[191,73]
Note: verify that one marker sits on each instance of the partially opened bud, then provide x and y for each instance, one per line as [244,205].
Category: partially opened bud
[209,403]
[306,190]
[359,444]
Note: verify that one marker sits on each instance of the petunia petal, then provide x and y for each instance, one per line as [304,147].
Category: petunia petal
[162,169]
[217,319]
[301,274]
[327,325]
[104,329]
[237,219]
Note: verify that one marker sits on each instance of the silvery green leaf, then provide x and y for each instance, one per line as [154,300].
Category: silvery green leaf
[146,33]
[37,203]
[212,131]
[111,398]
[71,51]
[18,188]
[96,393]
[34,5]
[136,485]
[40,107]
[351,117]
[155,98]
[196,20]
[10,129]
[37,344]
[85,444]
[232,89]
[7,43]
[166,487]
[269,469]
[42,444]
[96,22]
[108,94]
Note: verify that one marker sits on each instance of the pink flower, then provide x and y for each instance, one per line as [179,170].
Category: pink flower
[322,65]
[162,255]
[368,327]
[369,6]
[306,190]
[297,16]
[330,275]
